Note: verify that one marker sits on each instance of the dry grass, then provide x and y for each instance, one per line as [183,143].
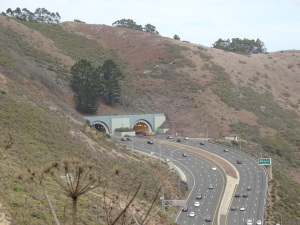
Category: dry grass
[196,86]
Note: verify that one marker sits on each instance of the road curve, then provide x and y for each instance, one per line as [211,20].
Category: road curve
[197,167]
[251,174]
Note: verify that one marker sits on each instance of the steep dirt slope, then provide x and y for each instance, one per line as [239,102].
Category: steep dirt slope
[157,83]
[183,80]
[277,72]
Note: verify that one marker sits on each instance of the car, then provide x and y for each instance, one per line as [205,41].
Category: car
[233,208]
[258,222]
[225,150]
[184,154]
[150,142]
[185,208]
[239,161]
[245,195]
[145,134]
[167,160]
[197,204]
[214,168]
[237,195]
[249,188]
[242,208]
[151,134]
[123,139]
[179,140]
[186,138]
[199,196]
[249,222]
[128,139]
[210,186]
[202,143]
[191,214]
[207,218]
[169,137]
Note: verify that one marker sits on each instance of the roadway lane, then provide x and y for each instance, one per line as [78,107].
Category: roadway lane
[251,174]
[199,175]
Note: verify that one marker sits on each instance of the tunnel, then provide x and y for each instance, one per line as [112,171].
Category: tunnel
[142,127]
[101,127]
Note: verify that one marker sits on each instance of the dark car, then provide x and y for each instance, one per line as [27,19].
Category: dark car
[233,208]
[150,142]
[237,195]
[199,196]
[123,139]
[225,150]
[179,140]
[239,161]
[128,139]
[202,143]
[207,218]
[245,195]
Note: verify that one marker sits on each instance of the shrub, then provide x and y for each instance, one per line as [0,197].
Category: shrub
[123,129]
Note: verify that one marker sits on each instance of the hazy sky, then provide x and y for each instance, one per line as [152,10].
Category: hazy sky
[275,22]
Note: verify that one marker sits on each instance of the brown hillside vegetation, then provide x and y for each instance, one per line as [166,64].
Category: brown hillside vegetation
[277,72]
[204,91]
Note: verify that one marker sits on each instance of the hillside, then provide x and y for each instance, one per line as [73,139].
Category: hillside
[36,112]
[203,90]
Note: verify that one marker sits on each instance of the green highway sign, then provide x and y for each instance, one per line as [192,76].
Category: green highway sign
[264,161]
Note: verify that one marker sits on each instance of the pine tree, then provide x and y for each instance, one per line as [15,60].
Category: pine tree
[86,84]
[111,78]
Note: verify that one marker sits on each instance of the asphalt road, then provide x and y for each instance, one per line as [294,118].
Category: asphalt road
[251,174]
[199,175]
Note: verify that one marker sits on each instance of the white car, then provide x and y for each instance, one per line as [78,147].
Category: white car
[186,138]
[167,160]
[197,204]
[258,222]
[214,168]
[242,208]
[191,214]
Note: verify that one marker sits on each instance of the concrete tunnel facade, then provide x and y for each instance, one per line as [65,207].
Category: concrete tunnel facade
[142,123]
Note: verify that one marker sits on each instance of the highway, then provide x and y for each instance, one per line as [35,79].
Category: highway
[199,174]
[251,174]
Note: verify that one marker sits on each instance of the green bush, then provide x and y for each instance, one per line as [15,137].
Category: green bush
[234,143]
[277,146]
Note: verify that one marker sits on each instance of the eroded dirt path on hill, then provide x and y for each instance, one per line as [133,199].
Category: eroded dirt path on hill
[3,218]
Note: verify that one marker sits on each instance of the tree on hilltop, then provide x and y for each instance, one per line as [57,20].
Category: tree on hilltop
[41,15]
[128,23]
[176,37]
[243,46]
[150,28]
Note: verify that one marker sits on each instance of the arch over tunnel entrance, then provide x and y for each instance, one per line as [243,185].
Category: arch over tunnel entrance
[101,126]
[142,127]
[143,123]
